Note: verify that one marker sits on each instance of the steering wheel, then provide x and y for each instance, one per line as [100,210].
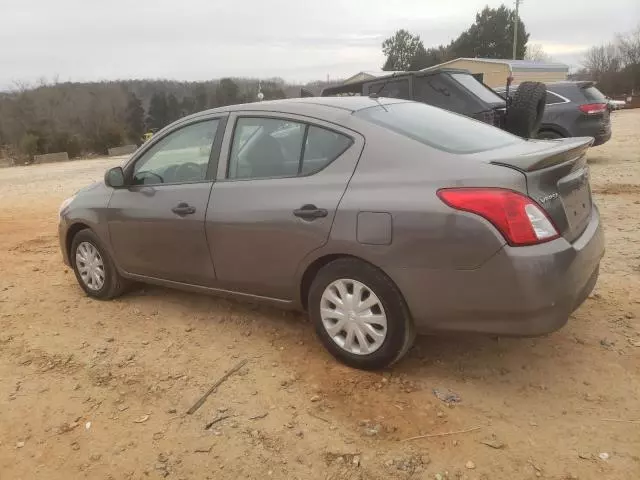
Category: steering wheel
[147,173]
[188,171]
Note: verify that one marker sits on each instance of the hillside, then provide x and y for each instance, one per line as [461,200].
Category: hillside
[82,118]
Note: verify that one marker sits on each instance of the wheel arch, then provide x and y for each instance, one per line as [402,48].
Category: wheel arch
[316,265]
[72,231]
[546,127]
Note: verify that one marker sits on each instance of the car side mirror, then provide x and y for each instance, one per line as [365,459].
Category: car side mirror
[114,177]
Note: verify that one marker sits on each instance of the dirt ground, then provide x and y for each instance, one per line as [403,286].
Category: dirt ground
[99,390]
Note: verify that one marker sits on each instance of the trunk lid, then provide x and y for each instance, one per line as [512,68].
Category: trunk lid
[557,178]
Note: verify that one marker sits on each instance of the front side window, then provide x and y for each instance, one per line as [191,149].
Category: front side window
[180,157]
[276,148]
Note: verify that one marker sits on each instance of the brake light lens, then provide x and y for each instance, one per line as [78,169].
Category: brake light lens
[593,108]
[517,217]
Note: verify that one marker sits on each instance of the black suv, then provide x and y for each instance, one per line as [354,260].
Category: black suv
[458,91]
[574,109]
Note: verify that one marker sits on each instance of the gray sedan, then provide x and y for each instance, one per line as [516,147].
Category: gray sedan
[381,218]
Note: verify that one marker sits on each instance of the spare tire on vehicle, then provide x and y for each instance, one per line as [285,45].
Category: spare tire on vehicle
[524,114]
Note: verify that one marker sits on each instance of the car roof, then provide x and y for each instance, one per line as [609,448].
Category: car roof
[322,106]
[560,83]
[350,86]
[351,103]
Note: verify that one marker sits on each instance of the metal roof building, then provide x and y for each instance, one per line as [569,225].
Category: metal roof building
[367,75]
[495,71]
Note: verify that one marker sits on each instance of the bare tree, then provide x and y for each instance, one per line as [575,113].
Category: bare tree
[536,53]
[629,46]
[602,60]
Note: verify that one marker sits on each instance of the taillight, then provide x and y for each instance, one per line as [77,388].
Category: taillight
[520,220]
[593,108]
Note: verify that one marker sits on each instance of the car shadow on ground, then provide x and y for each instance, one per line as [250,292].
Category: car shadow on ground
[456,356]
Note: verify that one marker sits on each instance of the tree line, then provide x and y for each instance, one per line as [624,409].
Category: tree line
[490,36]
[83,118]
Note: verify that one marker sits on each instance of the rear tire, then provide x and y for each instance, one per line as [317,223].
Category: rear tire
[86,253]
[399,332]
[526,109]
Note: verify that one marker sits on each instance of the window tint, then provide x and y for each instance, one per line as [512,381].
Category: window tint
[392,89]
[438,128]
[181,156]
[269,147]
[321,148]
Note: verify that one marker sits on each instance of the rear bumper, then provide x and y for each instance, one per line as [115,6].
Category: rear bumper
[602,138]
[519,291]
[597,128]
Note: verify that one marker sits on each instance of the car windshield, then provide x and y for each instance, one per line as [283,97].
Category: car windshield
[477,88]
[438,128]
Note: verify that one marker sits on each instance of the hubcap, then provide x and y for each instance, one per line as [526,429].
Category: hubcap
[353,316]
[90,266]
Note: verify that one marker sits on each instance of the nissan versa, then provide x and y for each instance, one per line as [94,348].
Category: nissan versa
[382,218]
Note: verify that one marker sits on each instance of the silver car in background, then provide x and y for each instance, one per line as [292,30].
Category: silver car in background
[382,218]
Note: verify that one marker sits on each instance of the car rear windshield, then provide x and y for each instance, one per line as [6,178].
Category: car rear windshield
[438,128]
[594,95]
[477,88]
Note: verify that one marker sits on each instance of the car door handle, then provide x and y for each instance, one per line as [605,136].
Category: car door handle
[310,212]
[183,209]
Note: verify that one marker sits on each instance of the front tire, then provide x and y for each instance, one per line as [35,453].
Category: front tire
[359,315]
[95,271]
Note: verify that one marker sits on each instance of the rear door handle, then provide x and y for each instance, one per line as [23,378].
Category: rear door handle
[183,209]
[310,212]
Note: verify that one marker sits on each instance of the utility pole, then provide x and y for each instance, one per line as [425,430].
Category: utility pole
[515,29]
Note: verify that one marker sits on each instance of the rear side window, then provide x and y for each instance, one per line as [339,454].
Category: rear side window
[477,88]
[594,95]
[392,89]
[432,90]
[277,148]
[438,128]
[552,98]
[321,148]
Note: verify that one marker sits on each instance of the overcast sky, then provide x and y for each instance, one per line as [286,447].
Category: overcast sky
[298,40]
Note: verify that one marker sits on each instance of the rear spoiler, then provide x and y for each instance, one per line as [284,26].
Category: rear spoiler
[558,152]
